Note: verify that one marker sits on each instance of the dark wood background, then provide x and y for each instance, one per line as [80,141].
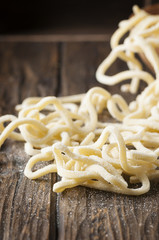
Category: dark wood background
[28,208]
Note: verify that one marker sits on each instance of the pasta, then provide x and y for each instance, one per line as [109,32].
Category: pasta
[142,40]
[85,151]
[67,134]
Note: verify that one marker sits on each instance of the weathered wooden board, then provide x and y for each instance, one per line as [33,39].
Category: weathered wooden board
[26,69]
[29,209]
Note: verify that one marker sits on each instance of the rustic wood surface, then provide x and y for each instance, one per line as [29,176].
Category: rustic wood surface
[29,209]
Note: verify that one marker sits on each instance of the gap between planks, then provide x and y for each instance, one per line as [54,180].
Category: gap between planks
[54,211]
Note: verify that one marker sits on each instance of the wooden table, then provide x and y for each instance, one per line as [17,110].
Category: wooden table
[29,209]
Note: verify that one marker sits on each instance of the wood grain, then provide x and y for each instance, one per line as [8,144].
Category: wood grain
[26,69]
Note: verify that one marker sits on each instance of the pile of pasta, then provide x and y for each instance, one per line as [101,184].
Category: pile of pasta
[142,41]
[66,132]
[69,135]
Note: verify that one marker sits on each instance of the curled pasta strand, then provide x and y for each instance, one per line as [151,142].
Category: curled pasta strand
[129,24]
[13,125]
[40,172]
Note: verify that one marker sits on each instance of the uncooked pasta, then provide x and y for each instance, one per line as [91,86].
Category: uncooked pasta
[85,151]
[142,40]
[67,134]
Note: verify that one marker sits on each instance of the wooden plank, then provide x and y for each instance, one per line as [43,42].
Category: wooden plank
[55,38]
[90,214]
[26,69]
